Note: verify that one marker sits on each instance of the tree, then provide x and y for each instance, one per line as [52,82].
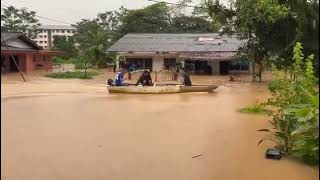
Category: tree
[253,21]
[221,16]
[92,41]
[19,20]
[61,43]
[300,25]
[152,19]
[111,21]
[188,24]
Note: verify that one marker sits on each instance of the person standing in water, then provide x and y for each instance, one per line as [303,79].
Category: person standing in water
[185,78]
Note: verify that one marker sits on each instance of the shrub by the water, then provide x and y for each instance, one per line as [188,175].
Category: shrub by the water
[72,75]
[296,119]
[255,109]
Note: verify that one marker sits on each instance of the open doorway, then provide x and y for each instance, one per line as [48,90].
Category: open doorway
[224,67]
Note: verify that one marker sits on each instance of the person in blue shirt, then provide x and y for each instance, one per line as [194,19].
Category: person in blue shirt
[119,79]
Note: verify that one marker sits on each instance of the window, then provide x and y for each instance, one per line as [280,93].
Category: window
[40,42]
[45,57]
[241,64]
[169,63]
[62,31]
[68,31]
[40,36]
[53,31]
[73,31]
[45,36]
[45,42]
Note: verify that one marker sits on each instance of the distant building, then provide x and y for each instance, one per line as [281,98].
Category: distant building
[46,33]
[27,54]
[197,53]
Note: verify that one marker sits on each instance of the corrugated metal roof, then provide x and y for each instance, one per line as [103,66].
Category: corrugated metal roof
[9,35]
[176,43]
[4,48]
[63,27]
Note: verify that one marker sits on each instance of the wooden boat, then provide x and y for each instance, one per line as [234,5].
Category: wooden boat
[169,89]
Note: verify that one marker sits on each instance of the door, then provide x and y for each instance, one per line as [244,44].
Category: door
[224,67]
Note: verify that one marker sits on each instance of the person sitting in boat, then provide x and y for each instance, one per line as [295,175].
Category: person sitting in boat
[185,78]
[119,79]
[145,79]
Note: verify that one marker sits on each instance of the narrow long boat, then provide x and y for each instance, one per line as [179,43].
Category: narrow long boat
[160,89]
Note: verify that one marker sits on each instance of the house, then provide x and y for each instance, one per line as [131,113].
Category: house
[46,34]
[197,53]
[27,54]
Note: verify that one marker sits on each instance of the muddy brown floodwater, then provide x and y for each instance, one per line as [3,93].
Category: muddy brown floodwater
[75,130]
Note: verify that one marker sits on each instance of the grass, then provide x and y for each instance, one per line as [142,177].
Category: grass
[59,60]
[255,109]
[72,75]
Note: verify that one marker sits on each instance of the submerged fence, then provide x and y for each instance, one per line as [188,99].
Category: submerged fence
[157,76]
[169,75]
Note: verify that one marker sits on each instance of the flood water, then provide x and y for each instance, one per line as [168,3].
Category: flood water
[75,130]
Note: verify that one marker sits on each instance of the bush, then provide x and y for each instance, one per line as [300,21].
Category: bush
[255,109]
[72,75]
[57,60]
[296,119]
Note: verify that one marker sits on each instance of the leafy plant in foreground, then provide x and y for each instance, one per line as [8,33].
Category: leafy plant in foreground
[296,117]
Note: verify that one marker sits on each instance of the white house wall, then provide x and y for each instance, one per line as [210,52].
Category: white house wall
[157,63]
[215,65]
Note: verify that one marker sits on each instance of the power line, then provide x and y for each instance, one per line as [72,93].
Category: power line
[7,4]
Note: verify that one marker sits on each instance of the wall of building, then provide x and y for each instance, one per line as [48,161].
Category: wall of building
[215,65]
[42,38]
[38,62]
[157,63]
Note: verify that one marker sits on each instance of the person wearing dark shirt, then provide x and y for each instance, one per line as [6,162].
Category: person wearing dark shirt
[185,78]
[145,79]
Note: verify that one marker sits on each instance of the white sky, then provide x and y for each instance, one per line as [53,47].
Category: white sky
[74,10]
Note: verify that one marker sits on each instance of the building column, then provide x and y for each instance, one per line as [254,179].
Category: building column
[157,63]
[49,39]
[117,63]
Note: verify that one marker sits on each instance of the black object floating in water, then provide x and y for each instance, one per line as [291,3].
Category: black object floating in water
[273,154]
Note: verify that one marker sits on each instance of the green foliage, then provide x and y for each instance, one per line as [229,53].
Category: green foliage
[151,19]
[160,18]
[92,41]
[188,24]
[67,46]
[256,108]
[220,15]
[19,20]
[58,60]
[296,119]
[72,75]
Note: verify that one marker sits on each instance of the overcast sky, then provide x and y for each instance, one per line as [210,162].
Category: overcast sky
[74,10]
